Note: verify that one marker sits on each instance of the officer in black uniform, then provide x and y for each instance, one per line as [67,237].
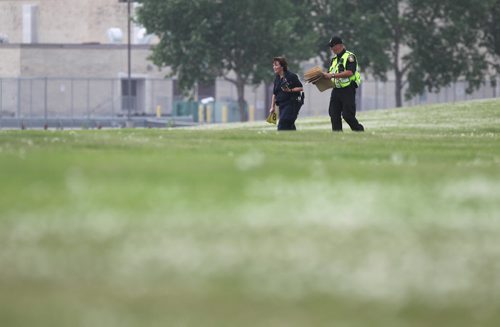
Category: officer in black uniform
[343,72]
[287,94]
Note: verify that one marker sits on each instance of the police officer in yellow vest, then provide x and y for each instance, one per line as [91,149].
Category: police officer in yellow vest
[345,76]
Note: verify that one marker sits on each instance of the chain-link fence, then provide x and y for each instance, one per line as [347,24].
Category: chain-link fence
[100,102]
[81,102]
[381,95]
[378,95]
[94,102]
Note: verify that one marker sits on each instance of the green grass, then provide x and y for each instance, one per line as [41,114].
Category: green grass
[244,226]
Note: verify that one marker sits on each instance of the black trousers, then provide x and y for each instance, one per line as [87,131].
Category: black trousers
[343,104]
[288,115]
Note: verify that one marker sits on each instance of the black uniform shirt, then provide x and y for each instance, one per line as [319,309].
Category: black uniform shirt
[289,79]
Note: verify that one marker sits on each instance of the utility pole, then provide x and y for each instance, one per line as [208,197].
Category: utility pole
[129,55]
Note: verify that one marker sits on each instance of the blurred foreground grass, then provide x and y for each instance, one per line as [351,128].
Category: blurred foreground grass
[244,226]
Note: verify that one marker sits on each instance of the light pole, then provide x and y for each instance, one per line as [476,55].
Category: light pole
[129,60]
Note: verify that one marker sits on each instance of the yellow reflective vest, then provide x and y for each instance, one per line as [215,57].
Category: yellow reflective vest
[334,68]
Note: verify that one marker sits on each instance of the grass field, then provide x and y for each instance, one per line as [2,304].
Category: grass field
[244,226]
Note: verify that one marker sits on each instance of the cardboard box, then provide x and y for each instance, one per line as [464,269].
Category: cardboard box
[315,76]
[323,84]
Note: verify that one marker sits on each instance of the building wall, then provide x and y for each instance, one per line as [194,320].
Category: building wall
[11,21]
[84,61]
[10,63]
[65,21]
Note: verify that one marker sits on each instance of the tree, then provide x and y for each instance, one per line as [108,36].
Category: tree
[491,37]
[374,29]
[234,39]
[444,45]
[361,29]
[482,24]
[491,30]
[426,44]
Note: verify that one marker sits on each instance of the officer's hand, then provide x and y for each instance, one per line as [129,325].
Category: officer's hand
[327,75]
[271,110]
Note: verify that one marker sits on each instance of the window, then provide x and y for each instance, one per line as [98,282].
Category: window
[129,100]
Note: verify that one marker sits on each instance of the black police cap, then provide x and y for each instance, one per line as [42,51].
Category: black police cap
[334,41]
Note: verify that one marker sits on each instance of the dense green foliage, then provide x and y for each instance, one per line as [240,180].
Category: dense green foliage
[423,44]
[234,39]
[240,225]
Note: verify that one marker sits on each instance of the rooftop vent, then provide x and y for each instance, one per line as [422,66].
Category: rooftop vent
[115,35]
[141,37]
[30,23]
